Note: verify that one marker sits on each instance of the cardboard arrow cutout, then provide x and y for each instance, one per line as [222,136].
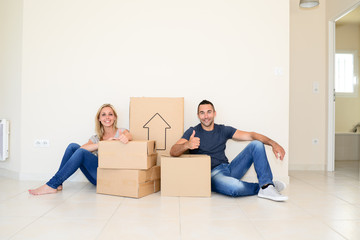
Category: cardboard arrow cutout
[157,130]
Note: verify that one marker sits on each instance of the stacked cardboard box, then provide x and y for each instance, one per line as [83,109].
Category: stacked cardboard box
[162,119]
[133,155]
[188,175]
[128,169]
[159,119]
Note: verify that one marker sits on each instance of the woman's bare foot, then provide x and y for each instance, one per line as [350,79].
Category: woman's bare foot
[59,188]
[44,189]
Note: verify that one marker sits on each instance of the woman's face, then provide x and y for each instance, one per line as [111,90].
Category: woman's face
[107,117]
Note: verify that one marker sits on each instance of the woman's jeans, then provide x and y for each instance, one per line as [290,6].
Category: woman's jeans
[225,178]
[73,159]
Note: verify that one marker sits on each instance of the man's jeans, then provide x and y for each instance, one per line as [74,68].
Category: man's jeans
[225,178]
[73,159]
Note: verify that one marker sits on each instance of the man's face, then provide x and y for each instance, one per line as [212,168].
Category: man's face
[206,115]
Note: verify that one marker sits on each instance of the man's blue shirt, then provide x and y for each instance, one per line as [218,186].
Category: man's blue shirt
[212,143]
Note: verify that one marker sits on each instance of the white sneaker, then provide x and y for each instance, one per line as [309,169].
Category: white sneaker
[279,185]
[271,193]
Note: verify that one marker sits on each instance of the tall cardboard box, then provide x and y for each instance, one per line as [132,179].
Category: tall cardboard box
[188,175]
[133,155]
[159,119]
[128,183]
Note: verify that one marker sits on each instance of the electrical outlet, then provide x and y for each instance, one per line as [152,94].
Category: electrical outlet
[315,141]
[41,143]
[37,143]
[316,87]
[45,143]
[278,71]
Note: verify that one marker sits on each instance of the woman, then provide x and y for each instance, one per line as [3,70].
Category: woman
[85,157]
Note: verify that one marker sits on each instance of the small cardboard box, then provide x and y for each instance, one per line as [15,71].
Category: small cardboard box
[128,183]
[159,119]
[188,175]
[133,155]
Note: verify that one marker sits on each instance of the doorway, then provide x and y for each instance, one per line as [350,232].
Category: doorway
[344,113]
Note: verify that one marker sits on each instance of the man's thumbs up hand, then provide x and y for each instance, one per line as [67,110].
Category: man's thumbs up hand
[194,142]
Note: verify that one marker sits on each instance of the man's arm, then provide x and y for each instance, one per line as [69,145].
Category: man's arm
[183,145]
[249,136]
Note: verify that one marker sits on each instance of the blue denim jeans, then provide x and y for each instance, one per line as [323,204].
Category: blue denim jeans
[73,159]
[225,178]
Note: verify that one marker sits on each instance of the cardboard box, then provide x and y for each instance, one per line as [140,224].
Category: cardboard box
[128,183]
[133,155]
[188,175]
[159,119]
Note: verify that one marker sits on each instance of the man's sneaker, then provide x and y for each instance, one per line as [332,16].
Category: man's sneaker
[271,193]
[279,185]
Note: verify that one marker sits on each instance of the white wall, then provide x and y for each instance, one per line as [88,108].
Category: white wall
[79,54]
[308,119]
[309,42]
[10,79]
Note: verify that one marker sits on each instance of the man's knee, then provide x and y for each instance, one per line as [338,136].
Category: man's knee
[257,144]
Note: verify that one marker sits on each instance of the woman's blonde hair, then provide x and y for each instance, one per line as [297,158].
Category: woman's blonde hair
[99,128]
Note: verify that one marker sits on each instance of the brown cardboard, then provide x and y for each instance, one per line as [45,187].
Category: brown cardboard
[128,183]
[159,119]
[187,175]
[133,155]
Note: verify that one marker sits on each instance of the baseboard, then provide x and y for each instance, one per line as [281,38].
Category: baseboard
[9,174]
[307,167]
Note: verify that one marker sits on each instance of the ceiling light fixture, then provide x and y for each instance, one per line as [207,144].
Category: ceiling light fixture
[308,3]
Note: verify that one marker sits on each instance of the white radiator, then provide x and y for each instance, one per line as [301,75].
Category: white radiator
[4,139]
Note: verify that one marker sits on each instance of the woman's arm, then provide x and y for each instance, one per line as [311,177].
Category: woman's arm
[124,136]
[90,146]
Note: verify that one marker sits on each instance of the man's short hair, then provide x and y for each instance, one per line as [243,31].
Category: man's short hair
[204,102]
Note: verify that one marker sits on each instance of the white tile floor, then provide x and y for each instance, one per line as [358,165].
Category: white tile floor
[321,206]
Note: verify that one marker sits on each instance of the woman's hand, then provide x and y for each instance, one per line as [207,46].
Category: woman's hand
[124,137]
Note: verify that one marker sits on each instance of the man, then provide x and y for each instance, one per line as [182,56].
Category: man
[210,138]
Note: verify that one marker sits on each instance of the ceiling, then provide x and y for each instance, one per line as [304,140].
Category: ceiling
[352,17]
